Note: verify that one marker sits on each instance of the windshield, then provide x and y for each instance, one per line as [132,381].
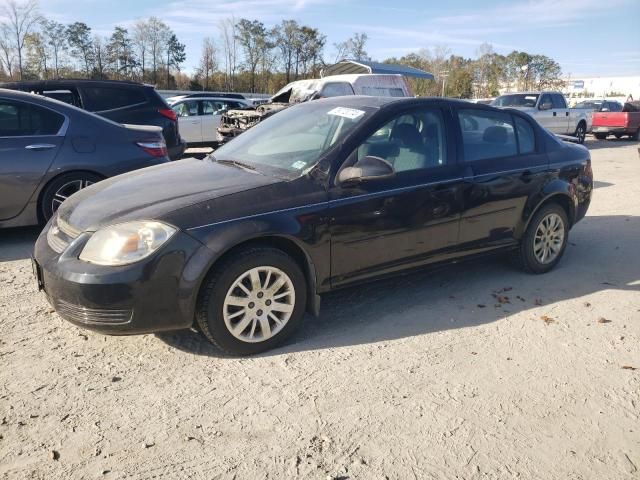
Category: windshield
[592,105]
[517,100]
[293,140]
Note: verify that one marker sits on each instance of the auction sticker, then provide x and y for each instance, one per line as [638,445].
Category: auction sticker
[350,113]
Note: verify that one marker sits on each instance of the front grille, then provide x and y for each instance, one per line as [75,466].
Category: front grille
[60,235]
[93,316]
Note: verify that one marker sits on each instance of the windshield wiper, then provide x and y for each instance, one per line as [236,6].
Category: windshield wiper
[238,164]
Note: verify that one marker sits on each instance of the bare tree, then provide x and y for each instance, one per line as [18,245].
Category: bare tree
[352,48]
[56,40]
[8,53]
[141,44]
[100,56]
[228,36]
[22,18]
[158,38]
[208,61]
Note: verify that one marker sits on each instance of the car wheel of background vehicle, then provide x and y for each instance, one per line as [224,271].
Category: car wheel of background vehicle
[545,240]
[581,132]
[62,188]
[617,135]
[635,136]
[252,301]
[600,136]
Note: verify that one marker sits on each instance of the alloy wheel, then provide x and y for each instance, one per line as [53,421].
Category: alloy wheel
[66,190]
[259,304]
[549,238]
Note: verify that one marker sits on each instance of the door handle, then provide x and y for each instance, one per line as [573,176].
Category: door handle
[40,146]
[555,113]
[567,114]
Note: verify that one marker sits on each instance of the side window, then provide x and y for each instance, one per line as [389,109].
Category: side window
[19,119]
[486,134]
[186,109]
[558,101]
[411,141]
[615,107]
[546,98]
[105,98]
[526,136]
[337,89]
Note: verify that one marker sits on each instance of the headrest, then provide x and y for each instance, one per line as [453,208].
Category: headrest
[495,134]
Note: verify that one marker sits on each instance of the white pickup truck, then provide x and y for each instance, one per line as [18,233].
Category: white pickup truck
[551,111]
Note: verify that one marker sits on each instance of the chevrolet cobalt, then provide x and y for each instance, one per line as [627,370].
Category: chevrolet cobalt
[322,195]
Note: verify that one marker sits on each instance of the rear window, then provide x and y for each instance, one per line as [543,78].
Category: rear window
[526,136]
[336,90]
[18,119]
[487,134]
[99,99]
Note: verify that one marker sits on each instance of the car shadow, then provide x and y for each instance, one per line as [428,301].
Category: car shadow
[610,142]
[601,255]
[599,184]
[17,243]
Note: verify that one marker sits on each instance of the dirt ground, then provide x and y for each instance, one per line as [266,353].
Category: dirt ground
[424,376]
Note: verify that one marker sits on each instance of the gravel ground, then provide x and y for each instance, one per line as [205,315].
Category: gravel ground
[424,376]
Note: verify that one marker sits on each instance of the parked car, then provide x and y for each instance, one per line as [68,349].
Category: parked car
[323,195]
[175,98]
[618,123]
[123,102]
[51,150]
[199,117]
[600,105]
[235,122]
[550,110]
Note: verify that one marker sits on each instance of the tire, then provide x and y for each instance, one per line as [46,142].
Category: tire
[223,305]
[526,256]
[635,136]
[61,188]
[617,135]
[581,132]
[600,136]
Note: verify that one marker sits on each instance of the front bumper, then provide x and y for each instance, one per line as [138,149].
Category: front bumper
[155,294]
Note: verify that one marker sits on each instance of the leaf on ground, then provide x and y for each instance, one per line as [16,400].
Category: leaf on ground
[604,320]
[628,367]
[547,320]
[480,305]
[587,304]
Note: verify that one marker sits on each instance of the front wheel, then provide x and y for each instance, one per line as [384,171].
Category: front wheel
[544,241]
[581,132]
[62,188]
[252,302]
[600,136]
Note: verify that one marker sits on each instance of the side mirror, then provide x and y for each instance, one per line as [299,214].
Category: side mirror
[366,169]
[545,106]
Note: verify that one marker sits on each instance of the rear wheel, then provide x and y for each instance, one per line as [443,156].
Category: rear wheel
[617,135]
[62,188]
[600,136]
[636,136]
[545,240]
[581,132]
[252,302]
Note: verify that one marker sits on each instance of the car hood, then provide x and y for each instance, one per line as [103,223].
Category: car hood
[154,192]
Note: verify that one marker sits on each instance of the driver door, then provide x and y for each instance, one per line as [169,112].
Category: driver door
[380,226]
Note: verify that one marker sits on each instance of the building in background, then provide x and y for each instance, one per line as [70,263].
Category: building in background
[614,88]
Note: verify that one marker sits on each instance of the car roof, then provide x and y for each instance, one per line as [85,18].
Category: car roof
[380,102]
[37,84]
[175,100]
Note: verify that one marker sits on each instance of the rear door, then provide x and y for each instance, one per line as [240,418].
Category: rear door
[503,166]
[412,219]
[30,139]
[189,120]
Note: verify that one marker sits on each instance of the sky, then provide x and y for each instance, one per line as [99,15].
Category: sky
[587,37]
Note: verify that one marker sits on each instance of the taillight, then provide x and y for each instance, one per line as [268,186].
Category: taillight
[170,114]
[155,148]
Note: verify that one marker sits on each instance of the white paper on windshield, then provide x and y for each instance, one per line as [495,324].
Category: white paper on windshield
[350,113]
[529,97]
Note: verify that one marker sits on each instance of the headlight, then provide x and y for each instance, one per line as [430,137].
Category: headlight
[126,243]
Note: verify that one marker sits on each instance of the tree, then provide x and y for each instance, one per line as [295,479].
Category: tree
[252,36]
[22,19]
[228,36]
[311,47]
[55,38]
[120,56]
[286,36]
[79,39]
[141,43]
[8,54]
[37,56]
[352,48]
[175,54]
[100,57]
[208,61]
[158,37]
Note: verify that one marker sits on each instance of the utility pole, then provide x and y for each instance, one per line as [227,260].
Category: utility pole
[444,75]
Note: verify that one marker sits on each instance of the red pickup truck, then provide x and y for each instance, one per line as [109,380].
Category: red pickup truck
[626,122]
